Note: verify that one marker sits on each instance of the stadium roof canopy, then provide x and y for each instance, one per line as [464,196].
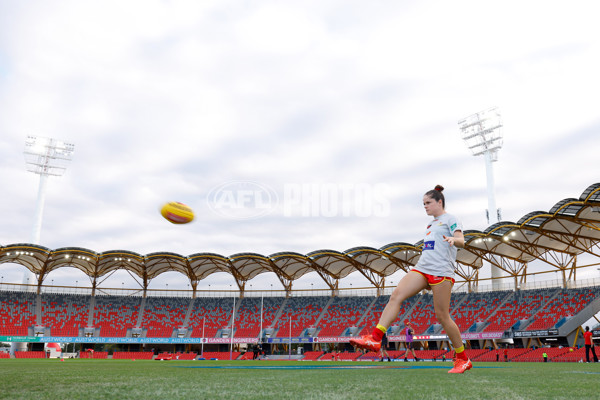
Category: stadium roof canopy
[556,237]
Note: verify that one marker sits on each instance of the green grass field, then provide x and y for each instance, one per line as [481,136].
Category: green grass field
[126,379]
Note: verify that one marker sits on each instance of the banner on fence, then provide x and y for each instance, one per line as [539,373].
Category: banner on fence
[539,333]
[342,339]
[228,340]
[19,339]
[482,335]
[68,339]
[287,340]
[402,338]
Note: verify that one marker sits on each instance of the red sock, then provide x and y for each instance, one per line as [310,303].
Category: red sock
[377,333]
[462,355]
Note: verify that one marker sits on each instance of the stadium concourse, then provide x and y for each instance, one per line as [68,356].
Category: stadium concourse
[521,316]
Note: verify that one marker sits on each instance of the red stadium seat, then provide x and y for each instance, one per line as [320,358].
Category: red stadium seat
[133,355]
[17,313]
[30,354]
[312,355]
[96,355]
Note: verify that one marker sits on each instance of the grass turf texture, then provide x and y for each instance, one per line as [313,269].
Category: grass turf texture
[126,379]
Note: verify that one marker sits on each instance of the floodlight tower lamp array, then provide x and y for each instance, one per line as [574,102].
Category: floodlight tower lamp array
[482,133]
[45,156]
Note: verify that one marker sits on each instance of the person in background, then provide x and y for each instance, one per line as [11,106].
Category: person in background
[335,354]
[384,345]
[410,345]
[589,345]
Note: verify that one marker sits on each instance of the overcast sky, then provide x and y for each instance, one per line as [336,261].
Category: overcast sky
[288,106]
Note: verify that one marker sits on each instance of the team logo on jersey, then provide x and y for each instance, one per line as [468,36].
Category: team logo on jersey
[453,227]
[429,245]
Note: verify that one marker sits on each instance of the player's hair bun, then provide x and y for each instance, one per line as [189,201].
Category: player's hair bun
[439,188]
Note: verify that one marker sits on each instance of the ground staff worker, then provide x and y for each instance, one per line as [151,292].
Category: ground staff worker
[589,345]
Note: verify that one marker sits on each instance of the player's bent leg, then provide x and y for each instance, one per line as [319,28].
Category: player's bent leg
[411,284]
[414,354]
[441,305]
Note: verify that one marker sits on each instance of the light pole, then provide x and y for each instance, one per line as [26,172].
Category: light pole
[45,157]
[231,331]
[483,136]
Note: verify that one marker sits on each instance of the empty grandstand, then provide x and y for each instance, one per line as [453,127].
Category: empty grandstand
[17,313]
[210,315]
[64,314]
[162,315]
[115,315]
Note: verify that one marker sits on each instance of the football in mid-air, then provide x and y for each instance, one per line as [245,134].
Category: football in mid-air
[177,213]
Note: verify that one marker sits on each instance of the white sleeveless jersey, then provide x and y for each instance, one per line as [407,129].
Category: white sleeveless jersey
[438,257]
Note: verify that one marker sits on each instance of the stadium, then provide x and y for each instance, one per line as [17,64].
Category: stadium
[247,197]
[526,318]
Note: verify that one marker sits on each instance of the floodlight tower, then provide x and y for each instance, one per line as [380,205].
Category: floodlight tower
[45,157]
[483,135]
